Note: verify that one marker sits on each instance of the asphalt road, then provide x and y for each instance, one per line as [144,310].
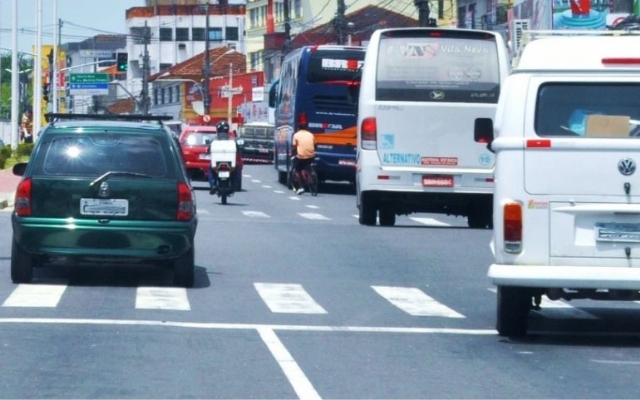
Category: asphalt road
[294,299]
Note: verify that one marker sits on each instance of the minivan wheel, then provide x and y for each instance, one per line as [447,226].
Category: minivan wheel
[184,269]
[513,308]
[21,265]
[367,211]
[387,215]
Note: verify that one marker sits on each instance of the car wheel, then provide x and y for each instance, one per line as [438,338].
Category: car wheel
[367,210]
[184,270]
[21,265]
[387,215]
[513,308]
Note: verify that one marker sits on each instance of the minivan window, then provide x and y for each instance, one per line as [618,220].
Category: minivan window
[438,69]
[588,110]
[94,155]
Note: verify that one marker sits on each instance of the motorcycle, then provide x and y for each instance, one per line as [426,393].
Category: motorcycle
[223,164]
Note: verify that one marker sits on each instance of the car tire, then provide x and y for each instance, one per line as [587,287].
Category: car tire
[21,265]
[513,308]
[367,212]
[387,215]
[184,269]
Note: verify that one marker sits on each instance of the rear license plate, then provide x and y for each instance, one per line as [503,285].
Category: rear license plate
[437,180]
[223,174]
[617,232]
[205,156]
[119,207]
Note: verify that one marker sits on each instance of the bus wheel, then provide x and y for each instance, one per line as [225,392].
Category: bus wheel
[368,211]
[513,308]
[387,215]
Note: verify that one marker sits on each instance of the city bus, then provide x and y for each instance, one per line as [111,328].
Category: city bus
[319,85]
[422,91]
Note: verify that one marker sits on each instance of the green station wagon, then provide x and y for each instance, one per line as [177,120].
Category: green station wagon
[104,190]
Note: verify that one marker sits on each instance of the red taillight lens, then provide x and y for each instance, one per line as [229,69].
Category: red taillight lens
[512,227]
[369,133]
[223,167]
[186,203]
[22,204]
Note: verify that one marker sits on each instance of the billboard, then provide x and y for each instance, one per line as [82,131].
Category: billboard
[572,14]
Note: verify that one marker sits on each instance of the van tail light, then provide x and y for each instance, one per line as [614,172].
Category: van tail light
[22,203]
[369,134]
[186,203]
[512,228]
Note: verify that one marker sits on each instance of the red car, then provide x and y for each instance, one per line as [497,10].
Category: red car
[194,141]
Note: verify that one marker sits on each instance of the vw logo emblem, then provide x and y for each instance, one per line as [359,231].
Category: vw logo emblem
[627,166]
[437,95]
[103,190]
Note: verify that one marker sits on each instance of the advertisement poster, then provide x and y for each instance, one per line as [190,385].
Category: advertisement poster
[589,14]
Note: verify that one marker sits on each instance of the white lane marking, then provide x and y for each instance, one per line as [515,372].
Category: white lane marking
[246,175]
[288,298]
[256,180]
[35,295]
[314,216]
[557,309]
[201,211]
[415,302]
[278,191]
[255,214]
[295,198]
[290,328]
[429,221]
[312,206]
[298,380]
[619,362]
[266,186]
[162,298]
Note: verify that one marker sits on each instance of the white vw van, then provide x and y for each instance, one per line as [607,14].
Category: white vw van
[566,138]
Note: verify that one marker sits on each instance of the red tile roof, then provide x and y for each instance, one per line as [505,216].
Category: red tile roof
[365,21]
[192,68]
[124,106]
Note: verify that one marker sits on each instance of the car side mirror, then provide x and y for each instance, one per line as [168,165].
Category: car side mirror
[483,132]
[19,169]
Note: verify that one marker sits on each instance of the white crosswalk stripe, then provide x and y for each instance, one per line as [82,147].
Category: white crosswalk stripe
[314,216]
[36,295]
[162,298]
[288,298]
[255,214]
[429,221]
[415,302]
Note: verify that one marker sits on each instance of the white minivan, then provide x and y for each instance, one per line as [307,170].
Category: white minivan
[421,91]
[566,137]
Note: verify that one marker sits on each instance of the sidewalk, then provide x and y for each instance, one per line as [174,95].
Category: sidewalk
[8,184]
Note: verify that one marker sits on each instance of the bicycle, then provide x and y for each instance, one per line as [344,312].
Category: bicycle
[309,175]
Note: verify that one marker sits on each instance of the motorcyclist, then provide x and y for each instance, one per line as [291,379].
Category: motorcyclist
[223,133]
[304,150]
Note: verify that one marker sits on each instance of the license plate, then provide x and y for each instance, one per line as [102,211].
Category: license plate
[205,156]
[109,207]
[437,180]
[223,174]
[347,162]
[617,232]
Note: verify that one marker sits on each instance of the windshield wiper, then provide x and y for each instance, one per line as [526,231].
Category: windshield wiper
[109,174]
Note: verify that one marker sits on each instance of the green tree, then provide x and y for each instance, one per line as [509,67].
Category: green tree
[5,79]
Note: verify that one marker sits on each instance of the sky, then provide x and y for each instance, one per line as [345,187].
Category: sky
[82,19]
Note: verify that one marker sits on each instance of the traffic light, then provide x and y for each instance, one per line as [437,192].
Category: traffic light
[45,92]
[122,61]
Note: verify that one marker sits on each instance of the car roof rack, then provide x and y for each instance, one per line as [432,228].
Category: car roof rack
[53,117]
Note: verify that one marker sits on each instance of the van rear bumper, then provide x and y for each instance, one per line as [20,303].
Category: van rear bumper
[574,277]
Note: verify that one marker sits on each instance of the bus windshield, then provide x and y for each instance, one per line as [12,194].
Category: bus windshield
[441,67]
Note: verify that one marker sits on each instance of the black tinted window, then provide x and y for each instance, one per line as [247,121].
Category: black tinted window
[89,155]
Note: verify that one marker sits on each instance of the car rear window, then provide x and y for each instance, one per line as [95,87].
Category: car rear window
[96,154]
[199,138]
[588,110]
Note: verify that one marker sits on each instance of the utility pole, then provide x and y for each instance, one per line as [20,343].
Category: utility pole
[340,22]
[206,72]
[15,120]
[423,12]
[144,101]
[55,81]
[287,28]
[37,74]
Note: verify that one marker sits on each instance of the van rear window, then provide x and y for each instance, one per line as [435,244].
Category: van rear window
[438,69]
[588,110]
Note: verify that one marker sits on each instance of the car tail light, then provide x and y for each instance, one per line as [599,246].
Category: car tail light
[186,203]
[22,204]
[512,227]
[369,133]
